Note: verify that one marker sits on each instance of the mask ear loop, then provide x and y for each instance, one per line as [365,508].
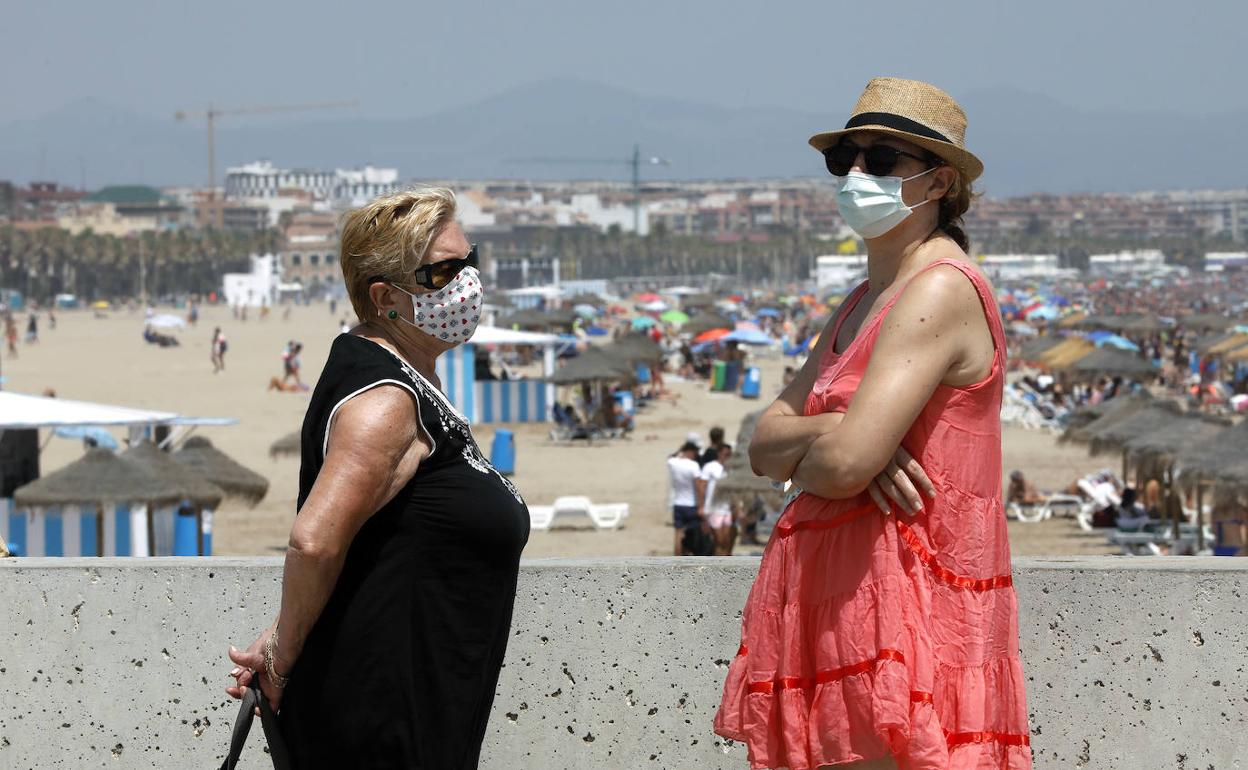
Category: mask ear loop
[916,176]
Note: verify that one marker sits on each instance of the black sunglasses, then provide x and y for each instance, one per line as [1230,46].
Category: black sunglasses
[439,274]
[881,159]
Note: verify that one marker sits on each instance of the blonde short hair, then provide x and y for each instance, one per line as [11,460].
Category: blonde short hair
[388,238]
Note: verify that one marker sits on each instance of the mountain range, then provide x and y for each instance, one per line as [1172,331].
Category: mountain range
[1029,142]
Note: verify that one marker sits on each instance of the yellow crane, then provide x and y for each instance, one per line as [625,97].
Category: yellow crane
[212,113]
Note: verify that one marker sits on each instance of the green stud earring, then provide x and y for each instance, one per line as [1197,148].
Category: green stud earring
[393,314]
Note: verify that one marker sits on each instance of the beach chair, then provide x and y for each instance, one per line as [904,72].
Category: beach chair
[540,516]
[572,505]
[608,515]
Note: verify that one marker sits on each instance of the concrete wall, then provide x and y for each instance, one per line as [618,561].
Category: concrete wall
[613,663]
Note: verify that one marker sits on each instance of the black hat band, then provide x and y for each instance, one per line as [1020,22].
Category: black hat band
[897,122]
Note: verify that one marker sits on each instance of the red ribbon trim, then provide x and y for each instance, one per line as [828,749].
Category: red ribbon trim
[1009,739]
[961,581]
[826,676]
[784,530]
[918,696]
[741,650]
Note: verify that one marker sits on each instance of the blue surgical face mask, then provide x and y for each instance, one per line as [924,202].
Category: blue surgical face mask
[872,205]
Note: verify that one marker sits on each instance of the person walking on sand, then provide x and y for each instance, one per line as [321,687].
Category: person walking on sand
[32,329]
[10,333]
[882,628]
[682,471]
[219,346]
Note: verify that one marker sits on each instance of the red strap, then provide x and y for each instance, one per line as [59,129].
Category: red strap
[961,581]
[784,530]
[1009,739]
[826,676]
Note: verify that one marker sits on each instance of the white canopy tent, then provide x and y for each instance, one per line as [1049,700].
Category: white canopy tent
[19,410]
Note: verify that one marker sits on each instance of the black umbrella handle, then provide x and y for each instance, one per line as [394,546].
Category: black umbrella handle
[252,699]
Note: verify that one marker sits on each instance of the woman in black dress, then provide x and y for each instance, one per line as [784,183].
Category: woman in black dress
[401,572]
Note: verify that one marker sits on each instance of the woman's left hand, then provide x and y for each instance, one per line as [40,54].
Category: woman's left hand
[899,484]
[249,663]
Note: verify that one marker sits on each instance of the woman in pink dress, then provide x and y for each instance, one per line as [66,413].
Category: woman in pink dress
[882,629]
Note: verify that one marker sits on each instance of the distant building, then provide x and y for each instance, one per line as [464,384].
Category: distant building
[1140,261]
[123,210]
[1010,267]
[259,288]
[309,253]
[342,187]
[839,271]
[1220,261]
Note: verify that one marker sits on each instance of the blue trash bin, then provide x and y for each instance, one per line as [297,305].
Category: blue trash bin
[753,382]
[185,533]
[503,452]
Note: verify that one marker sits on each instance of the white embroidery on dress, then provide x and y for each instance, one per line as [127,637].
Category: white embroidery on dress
[454,424]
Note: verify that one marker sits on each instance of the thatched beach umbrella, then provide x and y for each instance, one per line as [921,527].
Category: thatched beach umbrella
[1066,352]
[1228,344]
[635,347]
[236,480]
[1193,432]
[593,300]
[194,489]
[1034,347]
[697,301]
[593,365]
[525,319]
[1211,321]
[197,492]
[706,322]
[290,444]
[1111,361]
[1085,420]
[98,477]
[1157,418]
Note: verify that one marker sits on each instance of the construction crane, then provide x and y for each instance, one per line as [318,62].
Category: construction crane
[635,163]
[212,113]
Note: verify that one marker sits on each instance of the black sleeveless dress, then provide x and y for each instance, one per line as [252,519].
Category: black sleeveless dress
[400,668]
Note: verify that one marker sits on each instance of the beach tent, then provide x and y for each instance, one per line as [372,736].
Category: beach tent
[236,480]
[102,505]
[488,401]
[21,411]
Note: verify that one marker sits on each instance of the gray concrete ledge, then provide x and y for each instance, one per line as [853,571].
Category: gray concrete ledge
[613,663]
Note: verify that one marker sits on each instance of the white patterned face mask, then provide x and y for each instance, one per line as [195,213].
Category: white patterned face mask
[449,314]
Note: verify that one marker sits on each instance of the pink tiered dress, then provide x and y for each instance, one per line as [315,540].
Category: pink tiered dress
[868,635]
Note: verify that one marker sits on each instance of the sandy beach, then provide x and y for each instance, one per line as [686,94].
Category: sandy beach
[106,360]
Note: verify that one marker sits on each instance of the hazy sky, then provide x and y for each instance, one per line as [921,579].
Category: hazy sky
[413,57]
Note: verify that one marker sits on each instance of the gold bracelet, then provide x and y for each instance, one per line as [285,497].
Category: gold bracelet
[270,667]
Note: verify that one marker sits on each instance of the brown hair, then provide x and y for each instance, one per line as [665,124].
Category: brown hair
[951,208]
[388,238]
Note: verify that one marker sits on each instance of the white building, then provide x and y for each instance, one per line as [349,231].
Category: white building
[1139,261]
[1217,261]
[262,181]
[258,288]
[1011,267]
[839,270]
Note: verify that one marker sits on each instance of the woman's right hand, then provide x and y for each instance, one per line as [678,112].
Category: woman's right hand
[899,483]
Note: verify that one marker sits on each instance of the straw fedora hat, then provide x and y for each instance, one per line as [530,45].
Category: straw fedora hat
[915,111]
